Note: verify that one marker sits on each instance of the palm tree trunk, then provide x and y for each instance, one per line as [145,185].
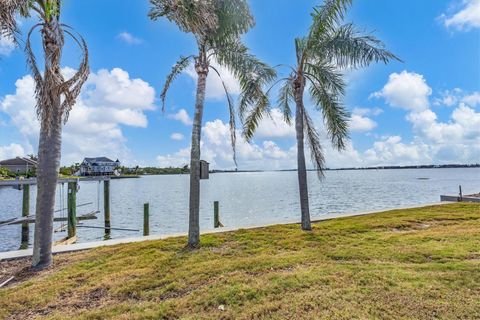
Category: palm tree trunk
[194,217]
[50,144]
[301,170]
[49,153]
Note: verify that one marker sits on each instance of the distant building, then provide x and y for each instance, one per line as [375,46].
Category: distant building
[101,166]
[19,165]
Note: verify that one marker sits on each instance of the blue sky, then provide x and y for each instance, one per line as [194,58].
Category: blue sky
[424,110]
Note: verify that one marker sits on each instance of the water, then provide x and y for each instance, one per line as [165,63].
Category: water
[246,199]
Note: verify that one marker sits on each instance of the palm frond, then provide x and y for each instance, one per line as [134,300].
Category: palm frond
[258,111]
[334,113]
[347,47]
[313,141]
[326,76]
[196,16]
[285,96]
[326,17]
[8,23]
[177,69]
[252,74]
[71,88]
[231,109]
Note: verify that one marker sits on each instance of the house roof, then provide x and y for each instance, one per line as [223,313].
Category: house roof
[18,162]
[98,159]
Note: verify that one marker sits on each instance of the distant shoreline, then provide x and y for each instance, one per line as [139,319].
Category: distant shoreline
[446,166]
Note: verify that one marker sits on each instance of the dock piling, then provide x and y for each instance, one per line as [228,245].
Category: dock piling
[72,210]
[216,215]
[146,219]
[106,205]
[25,213]
[460,198]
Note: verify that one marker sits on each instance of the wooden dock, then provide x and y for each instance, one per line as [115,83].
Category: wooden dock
[460,199]
[33,181]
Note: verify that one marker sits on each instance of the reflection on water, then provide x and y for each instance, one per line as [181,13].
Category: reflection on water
[246,199]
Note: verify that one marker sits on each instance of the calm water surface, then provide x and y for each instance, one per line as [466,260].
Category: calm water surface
[246,199]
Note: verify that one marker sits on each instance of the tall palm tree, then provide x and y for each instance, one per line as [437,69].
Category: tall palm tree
[217,26]
[328,48]
[55,98]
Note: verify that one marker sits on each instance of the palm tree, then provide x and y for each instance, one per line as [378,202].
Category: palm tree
[55,98]
[217,26]
[328,48]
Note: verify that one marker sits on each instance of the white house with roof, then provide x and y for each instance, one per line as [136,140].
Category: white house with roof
[100,166]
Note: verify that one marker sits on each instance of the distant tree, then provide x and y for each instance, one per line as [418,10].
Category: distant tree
[217,26]
[328,48]
[55,98]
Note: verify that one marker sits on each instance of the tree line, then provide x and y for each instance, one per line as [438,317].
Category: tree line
[329,47]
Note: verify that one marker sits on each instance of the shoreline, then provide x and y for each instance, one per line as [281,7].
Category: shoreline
[18,254]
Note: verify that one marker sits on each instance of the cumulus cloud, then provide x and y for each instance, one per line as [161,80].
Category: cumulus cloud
[451,98]
[406,90]
[216,148]
[177,136]
[182,116]
[6,46]
[457,140]
[129,38]
[215,88]
[11,151]
[274,126]
[360,121]
[109,100]
[467,17]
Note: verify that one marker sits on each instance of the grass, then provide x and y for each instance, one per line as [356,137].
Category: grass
[403,264]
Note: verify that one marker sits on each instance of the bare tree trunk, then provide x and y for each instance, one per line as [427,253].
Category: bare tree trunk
[50,143]
[49,153]
[301,169]
[194,218]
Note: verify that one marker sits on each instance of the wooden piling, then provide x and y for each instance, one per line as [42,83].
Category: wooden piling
[106,205]
[216,215]
[25,213]
[72,210]
[460,194]
[146,219]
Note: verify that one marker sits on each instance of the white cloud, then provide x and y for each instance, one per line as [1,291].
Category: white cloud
[182,116]
[468,17]
[177,136]
[129,38]
[11,151]
[406,90]
[216,148]
[360,123]
[215,88]
[274,126]
[360,120]
[392,151]
[109,100]
[457,140]
[6,46]
[451,98]
[472,100]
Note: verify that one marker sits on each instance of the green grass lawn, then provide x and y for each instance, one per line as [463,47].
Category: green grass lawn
[403,264]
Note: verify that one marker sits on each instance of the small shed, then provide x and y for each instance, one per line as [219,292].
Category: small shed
[204,170]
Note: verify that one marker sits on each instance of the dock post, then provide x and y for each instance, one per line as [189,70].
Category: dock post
[25,213]
[460,199]
[216,215]
[146,219]
[72,210]
[106,205]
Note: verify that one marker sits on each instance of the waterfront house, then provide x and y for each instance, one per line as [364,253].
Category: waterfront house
[100,166]
[19,165]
